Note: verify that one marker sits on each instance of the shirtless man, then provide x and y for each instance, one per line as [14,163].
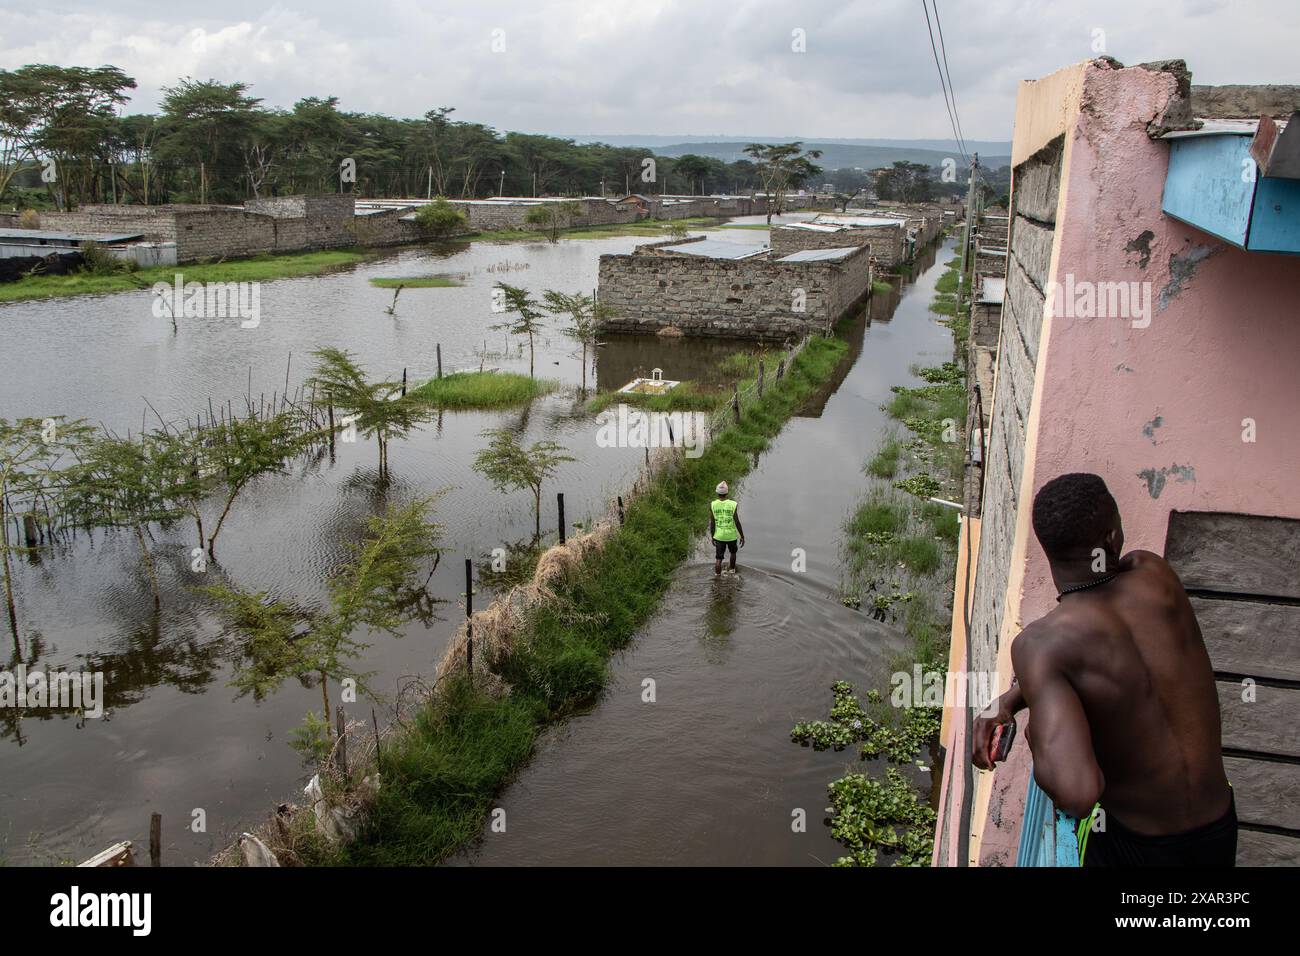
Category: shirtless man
[1123,707]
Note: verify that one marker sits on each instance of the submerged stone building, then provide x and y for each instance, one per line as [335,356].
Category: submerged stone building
[713,287]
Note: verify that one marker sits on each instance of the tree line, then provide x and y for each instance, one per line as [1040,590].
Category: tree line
[65,141]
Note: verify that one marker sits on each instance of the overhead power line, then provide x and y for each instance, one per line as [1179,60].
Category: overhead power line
[952,90]
[943,83]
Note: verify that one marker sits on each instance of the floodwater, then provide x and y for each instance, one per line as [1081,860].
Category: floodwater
[177,740]
[706,773]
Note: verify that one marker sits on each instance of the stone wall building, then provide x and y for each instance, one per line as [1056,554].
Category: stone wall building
[711,287]
[261,226]
[886,237]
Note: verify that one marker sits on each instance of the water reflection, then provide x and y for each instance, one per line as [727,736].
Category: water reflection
[625,357]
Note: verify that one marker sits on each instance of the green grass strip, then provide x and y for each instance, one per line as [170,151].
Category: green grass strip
[255,269]
[416,282]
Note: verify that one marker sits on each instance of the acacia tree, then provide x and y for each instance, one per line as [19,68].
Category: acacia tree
[235,452]
[507,464]
[553,216]
[372,592]
[781,168]
[905,181]
[375,408]
[439,218]
[526,318]
[585,317]
[204,125]
[132,483]
[31,450]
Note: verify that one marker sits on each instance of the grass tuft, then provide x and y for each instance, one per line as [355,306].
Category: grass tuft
[483,389]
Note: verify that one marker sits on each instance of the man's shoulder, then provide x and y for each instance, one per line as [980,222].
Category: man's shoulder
[1054,637]
[1152,568]
[1145,561]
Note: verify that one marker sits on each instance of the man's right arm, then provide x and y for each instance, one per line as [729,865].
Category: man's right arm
[1059,737]
[1001,711]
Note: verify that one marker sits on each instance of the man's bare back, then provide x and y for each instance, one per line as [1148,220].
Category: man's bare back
[1123,708]
[1133,653]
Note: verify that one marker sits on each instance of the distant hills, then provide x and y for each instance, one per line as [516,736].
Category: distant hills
[836,153]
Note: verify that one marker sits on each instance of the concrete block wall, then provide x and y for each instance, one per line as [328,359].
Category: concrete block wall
[1034,200]
[155,223]
[384,228]
[989,262]
[230,233]
[223,232]
[487,217]
[747,298]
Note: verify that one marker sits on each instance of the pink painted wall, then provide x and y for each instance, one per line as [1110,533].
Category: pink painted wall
[1224,347]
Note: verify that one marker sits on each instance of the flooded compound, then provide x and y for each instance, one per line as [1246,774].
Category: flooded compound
[706,773]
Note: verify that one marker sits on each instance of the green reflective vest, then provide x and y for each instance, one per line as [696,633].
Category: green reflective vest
[724,519]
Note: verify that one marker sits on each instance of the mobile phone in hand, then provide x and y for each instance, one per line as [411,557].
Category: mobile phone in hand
[1000,744]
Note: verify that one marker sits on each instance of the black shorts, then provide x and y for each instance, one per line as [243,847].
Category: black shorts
[720,546]
[1214,844]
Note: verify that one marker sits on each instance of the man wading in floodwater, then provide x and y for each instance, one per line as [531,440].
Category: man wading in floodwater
[724,527]
[1123,710]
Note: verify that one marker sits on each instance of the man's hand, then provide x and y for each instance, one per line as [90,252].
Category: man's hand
[742,540]
[1001,711]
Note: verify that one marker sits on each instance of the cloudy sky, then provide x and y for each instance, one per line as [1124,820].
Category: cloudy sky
[704,67]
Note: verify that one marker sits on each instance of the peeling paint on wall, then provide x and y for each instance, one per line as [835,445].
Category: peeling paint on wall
[1156,478]
[1181,269]
[1142,246]
[1149,429]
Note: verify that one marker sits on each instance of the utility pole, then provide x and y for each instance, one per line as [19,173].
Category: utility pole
[968,769]
[501,190]
[970,224]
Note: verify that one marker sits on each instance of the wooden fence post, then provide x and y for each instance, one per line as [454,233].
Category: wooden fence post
[403,383]
[469,618]
[559,498]
[735,402]
[341,723]
[760,378]
[155,839]
[620,509]
[780,369]
[439,360]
